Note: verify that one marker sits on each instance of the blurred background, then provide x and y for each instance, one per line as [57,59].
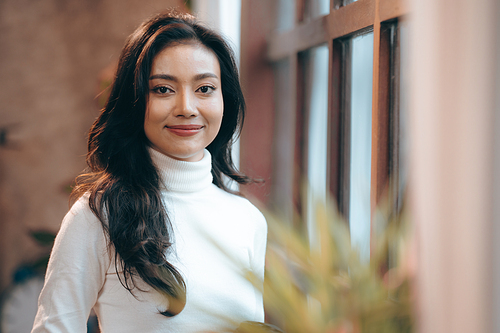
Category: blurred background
[366,101]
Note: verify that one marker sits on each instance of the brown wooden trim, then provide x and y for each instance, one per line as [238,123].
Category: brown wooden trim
[339,23]
[388,124]
[299,171]
[385,97]
[385,147]
[391,9]
[345,126]
[343,20]
[349,19]
[303,37]
[335,115]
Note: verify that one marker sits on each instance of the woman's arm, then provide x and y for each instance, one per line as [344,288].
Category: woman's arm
[75,274]
[259,257]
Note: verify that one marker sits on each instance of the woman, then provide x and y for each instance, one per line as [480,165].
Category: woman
[156,242]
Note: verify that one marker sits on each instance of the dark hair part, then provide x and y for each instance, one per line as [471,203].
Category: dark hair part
[123,183]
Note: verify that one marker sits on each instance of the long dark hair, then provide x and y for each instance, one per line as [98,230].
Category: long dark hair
[123,183]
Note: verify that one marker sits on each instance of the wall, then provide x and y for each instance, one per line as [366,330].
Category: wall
[52,54]
[453,99]
[256,150]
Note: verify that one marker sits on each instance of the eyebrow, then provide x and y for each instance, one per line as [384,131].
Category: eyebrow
[173,78]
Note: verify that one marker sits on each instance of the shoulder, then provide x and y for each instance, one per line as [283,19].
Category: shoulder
[80,211]
[80,207]
[81,241]
[244,208]
[240,201]
[81,223]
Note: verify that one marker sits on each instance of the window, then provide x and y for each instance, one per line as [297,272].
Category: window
[337,108]
[359,173]
[314,64]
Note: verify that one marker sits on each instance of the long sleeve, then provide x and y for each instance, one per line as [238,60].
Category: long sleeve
[75,274]
[207,224]
[258,257]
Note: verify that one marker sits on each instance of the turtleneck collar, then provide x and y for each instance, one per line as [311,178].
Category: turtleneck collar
[181,176]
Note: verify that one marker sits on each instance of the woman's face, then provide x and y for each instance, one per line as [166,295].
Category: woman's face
[185,106]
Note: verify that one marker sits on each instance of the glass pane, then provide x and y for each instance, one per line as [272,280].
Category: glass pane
[286,15]
[284,143]
[403,108]
[318,8]
[316,104]
[361,131]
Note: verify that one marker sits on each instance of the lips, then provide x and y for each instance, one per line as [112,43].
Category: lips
[185,130]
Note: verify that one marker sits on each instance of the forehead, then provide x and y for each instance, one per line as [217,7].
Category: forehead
[185,58]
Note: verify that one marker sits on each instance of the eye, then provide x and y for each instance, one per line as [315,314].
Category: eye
[162,90]
[206,89]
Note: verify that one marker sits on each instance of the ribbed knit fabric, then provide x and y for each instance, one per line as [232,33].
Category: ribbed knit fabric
[217,238]
[180,176]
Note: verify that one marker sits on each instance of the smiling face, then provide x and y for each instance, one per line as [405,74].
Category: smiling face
[185,106]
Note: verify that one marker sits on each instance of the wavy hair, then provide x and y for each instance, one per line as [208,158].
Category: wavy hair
[122,182]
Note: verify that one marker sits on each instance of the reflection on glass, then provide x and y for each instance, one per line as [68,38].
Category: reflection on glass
[316,103]
[283,151]
[403,108]
[361,129]
[286,15]
[318,7]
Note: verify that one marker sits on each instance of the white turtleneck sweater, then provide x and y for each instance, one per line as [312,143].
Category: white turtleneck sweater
[217,237]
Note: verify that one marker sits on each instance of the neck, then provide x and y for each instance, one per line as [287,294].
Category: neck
[182,176]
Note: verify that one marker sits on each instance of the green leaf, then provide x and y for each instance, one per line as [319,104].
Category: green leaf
[43,238]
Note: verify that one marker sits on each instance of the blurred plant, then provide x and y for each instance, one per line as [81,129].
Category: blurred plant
[189,5]
[325,287]
[45,239]
[255,327]
[105,81]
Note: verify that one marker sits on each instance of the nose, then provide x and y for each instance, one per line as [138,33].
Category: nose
[186,105]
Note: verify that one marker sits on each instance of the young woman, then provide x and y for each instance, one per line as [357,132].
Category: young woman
[156,242]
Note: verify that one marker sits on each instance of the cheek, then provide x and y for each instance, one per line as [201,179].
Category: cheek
[152,118]
[152,115]
[213,111]
[218,115]
[147,121]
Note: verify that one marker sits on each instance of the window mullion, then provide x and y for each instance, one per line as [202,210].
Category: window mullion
[376,135]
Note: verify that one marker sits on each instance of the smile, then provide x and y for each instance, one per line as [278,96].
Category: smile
[185,130]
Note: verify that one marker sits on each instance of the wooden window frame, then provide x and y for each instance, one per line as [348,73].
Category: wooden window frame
[346,19]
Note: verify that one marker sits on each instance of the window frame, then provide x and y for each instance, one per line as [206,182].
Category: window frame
[345,21]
